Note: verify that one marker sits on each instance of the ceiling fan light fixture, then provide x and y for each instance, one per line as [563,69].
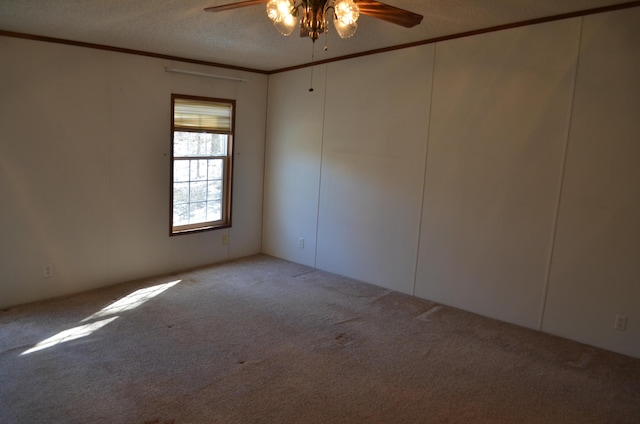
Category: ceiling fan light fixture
[281,13]
[314,15]
[346,11]
[286,25]
[313,22]
[344,30]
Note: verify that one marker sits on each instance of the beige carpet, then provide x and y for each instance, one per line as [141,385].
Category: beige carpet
[261,340]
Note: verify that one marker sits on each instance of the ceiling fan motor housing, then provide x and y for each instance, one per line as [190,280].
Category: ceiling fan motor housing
[314,21]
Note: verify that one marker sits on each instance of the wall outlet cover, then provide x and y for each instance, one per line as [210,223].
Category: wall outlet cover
[47,271]
[620,322]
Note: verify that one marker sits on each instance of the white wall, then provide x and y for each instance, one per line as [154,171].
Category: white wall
[595,272]
[499,123]
[372,166]
[85,163]
[292,185]
[497,173]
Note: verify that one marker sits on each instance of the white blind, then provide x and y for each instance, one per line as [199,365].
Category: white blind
[191,114]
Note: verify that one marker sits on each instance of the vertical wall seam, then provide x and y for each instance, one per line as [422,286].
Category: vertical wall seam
[324,113]
[554,225]
[424,175]
[109,167]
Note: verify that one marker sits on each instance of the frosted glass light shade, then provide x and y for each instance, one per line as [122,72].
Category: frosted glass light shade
[345,30]
[277,9]
[346,11]
[286,25]
[280,12]
[345,17]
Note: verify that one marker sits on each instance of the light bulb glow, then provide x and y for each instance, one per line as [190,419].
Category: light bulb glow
[281,13]
[278,10]
[284,7]
[346,11]
[289,19]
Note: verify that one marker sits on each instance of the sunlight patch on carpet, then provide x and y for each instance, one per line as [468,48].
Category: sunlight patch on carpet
[68,335]
[132,300]
[127,303]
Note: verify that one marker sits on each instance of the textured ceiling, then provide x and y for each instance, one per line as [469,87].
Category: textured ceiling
[245,37]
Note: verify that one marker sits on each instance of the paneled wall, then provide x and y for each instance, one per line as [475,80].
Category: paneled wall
[295,128]
[499,122]
[85,166]
[372,165]
[595,271]
[497,173]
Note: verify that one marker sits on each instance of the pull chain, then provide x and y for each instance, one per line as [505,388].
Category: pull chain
[313,50]
[326,41]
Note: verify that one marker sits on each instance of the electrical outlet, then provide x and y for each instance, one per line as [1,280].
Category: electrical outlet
[301,243]
[225,239]
[47,271]
[620,322]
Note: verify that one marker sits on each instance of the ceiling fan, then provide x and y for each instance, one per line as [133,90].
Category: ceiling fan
[314,15]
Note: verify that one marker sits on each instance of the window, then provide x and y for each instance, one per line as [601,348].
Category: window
[201,158]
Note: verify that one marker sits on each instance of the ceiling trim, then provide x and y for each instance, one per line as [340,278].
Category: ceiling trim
[123,50]
[570,15]
[496,28]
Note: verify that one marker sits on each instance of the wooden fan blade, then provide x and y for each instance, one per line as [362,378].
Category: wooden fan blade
[395,15]
[235,5]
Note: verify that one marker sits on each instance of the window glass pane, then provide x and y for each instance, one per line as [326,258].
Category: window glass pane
[219,144]
[198,170]
[214,191]
[181,170]
[181,214]
[198,212]
[199,144]
[180,193]
[198,191]
[180,143]
[214,210]
[215,169]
